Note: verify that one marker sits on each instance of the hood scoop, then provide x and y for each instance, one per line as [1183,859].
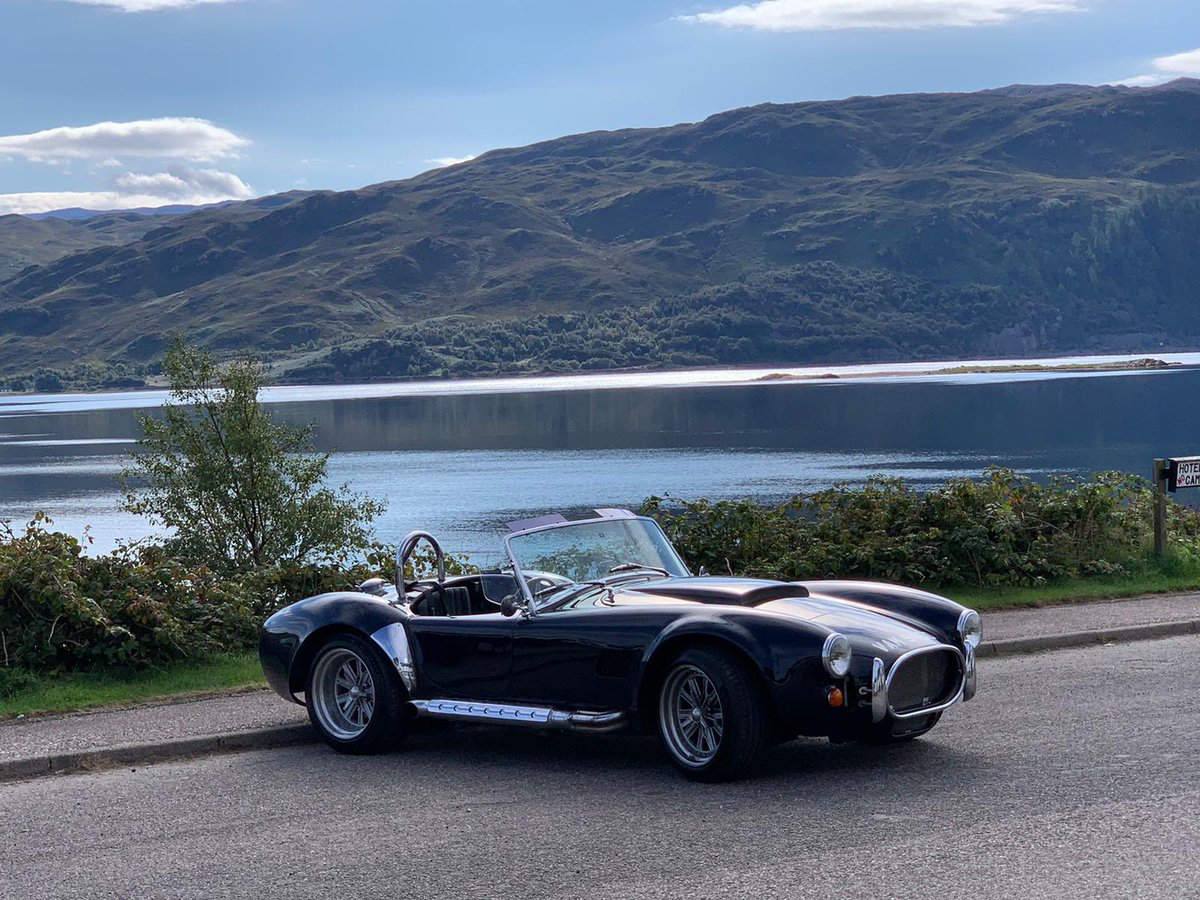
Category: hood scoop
[726,591]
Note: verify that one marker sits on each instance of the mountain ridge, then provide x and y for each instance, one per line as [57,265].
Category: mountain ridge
[1074,211]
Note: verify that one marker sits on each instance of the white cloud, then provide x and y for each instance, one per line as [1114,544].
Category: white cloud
[1179,64]
[196,140]
[1166,68]
[825,15]
[131,190]
[442,161]
[136,6]
[1142,80]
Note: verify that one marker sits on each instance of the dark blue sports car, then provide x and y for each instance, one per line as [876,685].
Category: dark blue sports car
[597,625]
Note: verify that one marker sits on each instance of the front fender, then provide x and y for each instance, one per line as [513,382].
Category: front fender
[780,649]
[290,637]
[921,609]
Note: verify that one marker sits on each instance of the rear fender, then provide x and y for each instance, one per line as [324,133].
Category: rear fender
[290,637]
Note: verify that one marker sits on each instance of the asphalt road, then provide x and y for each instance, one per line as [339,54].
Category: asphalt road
[1073,774]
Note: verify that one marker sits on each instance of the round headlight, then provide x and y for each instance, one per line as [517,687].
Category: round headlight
[970,628]
[835,655]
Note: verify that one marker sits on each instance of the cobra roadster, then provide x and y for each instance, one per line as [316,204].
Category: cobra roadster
[598,625]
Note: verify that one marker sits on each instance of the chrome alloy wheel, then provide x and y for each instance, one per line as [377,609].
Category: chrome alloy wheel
[343,694]
[690,716]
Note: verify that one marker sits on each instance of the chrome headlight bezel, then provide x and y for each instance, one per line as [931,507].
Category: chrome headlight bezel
[836,655]
[970,628]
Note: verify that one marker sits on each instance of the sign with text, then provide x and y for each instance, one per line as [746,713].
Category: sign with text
[1183,472]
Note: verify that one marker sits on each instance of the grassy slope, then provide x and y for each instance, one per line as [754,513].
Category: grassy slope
[76,691]
[83,690]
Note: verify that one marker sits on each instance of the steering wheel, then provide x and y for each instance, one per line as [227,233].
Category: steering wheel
[545,583]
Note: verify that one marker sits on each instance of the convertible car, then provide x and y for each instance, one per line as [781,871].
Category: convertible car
[598,625]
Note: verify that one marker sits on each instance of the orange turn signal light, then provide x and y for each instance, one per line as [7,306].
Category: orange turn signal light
[835,697]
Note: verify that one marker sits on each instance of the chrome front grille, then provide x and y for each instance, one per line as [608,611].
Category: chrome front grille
[925,680]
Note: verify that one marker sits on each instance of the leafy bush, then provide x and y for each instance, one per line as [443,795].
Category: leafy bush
[61,609]
[1003,530]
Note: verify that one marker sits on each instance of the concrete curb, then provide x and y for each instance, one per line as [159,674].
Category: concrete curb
[1014,646]
[288,735]
[160,751]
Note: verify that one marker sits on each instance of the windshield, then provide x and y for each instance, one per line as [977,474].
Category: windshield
[549,559]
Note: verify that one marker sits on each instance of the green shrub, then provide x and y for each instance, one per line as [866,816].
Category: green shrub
[1003,530]
[64,610]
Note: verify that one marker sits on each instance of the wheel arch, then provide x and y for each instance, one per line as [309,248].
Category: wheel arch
[665,651]
[307,651]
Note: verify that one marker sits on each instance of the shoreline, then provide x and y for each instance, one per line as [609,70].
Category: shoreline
[714,376]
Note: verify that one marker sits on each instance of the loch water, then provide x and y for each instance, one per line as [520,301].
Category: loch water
[461,463]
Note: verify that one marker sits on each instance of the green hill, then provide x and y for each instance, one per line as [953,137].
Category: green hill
[1026,219]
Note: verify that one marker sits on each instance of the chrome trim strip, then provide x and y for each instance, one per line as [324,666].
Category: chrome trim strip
[879,692]
[971,678]
[536,716]
[393,640]
[926,710]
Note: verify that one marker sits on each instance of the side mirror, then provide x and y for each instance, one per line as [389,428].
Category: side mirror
[511,605]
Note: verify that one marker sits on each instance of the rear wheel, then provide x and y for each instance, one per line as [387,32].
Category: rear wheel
[355,698]
[712,717]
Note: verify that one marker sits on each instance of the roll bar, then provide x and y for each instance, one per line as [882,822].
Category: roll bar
[405,550]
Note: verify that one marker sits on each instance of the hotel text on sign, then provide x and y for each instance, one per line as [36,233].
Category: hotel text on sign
[1183,472]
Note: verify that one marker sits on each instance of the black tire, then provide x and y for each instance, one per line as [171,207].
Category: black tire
[744,732]
[358,731]
[900,731]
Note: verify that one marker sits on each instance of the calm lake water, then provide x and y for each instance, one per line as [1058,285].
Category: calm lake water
[461,460]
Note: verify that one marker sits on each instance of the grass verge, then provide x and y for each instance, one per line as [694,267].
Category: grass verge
[1169,576]
[85,690]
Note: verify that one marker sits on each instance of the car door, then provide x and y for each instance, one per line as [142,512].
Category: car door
[463,657]
[585,657]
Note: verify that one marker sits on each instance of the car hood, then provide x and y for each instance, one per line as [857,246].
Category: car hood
[870,631]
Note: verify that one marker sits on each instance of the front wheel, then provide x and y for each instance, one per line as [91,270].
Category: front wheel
[355,699]
[712,717]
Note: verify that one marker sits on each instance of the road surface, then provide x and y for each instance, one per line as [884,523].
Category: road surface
[1072,774]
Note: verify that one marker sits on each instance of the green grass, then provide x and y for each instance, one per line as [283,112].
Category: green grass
[84,690]
[1170,576]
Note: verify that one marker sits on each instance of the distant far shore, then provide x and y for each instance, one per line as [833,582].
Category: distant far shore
[1045,367]
[1120,365]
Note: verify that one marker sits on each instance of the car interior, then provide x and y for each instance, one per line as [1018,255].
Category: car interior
[466,595]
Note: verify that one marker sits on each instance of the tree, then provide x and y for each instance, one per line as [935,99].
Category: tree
[236,488]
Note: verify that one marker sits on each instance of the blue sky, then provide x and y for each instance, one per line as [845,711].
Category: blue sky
[140,102]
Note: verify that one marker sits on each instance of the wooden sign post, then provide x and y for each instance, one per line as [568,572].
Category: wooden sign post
[1173,474]
[1160,507]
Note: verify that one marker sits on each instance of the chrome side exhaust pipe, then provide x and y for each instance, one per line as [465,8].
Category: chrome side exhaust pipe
[531,716]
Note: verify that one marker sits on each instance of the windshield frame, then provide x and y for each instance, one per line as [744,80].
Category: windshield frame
[519,574]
